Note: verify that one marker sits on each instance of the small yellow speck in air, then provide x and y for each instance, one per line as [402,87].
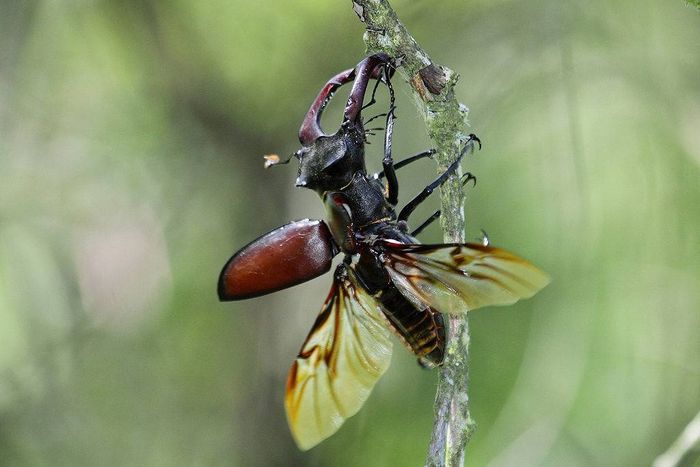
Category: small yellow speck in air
[271,159]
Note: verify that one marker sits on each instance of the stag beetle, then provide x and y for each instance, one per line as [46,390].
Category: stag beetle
[388,282]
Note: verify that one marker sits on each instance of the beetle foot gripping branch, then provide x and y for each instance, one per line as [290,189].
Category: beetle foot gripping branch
[388,282]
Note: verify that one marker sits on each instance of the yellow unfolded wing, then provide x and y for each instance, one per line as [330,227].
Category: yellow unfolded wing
[454,278]
[347,350]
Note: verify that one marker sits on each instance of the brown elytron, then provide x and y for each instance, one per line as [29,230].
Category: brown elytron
[287,256]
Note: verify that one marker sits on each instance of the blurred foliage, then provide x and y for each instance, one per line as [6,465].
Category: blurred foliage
[131,136]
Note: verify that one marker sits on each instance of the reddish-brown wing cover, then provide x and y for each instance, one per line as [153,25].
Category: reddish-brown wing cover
[287,256]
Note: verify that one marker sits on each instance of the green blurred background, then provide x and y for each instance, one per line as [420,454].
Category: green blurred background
[131,136]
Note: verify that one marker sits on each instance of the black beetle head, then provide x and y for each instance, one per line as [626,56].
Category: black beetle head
[331,162]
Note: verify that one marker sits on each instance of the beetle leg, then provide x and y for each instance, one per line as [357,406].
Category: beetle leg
[374,118]
[388,161]
[465,179]
[413,204]
[372,100]
[386,70]
[371,132]
[429,153]
[425,224]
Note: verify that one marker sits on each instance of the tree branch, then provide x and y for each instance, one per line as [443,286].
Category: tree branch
[445,119]
[686,444]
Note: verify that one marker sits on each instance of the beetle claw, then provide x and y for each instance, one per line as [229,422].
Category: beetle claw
[467,177]
[473,137]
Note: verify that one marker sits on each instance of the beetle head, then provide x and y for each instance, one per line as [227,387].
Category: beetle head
[331,161]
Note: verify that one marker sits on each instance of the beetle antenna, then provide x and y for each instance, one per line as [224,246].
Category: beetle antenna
[272,160]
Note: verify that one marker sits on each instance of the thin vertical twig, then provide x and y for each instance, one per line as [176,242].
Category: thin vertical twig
[445,119]
[687,443]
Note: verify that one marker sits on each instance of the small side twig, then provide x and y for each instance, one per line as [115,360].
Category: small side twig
[445,119]
[687,443]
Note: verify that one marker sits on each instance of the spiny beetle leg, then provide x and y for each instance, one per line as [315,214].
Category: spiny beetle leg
[403,163]
[425,224]
[374,118]
[465,179]
[388,161]
[386,71]
[372,100]
[427,191]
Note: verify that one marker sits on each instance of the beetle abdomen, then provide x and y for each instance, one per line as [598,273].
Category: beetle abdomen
[423,331]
